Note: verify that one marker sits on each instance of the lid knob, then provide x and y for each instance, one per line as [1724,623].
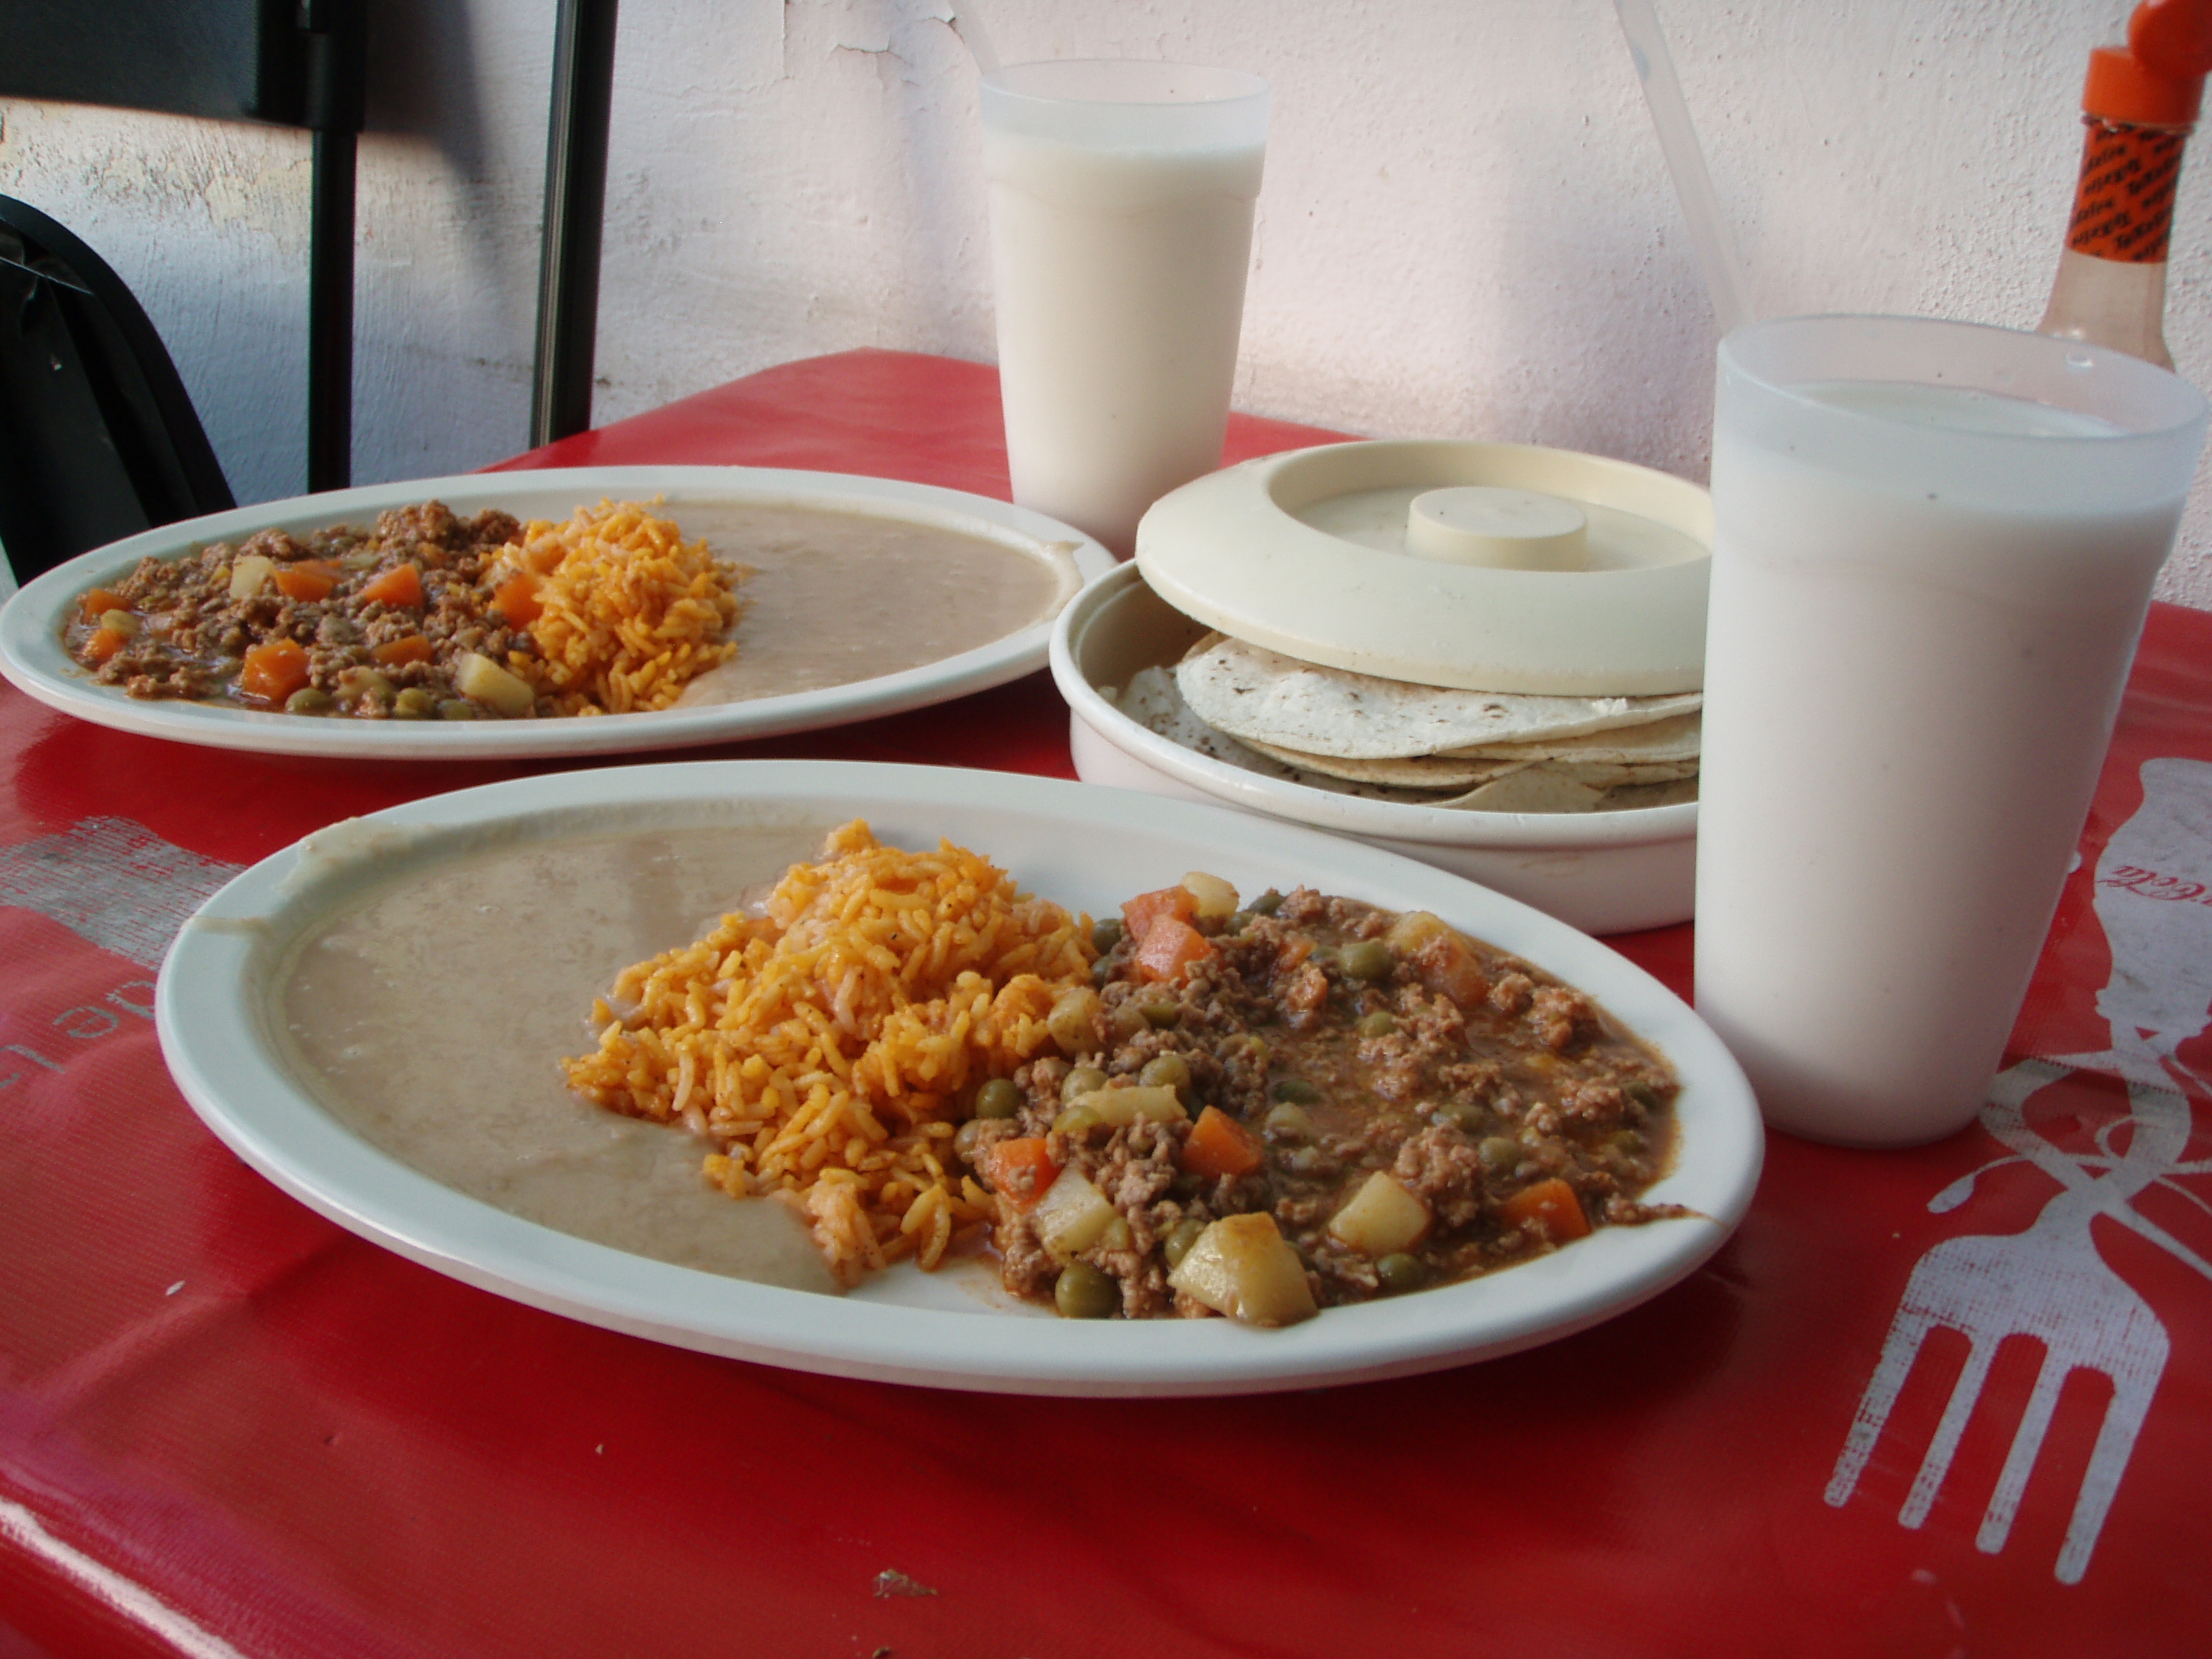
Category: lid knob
[1506,529]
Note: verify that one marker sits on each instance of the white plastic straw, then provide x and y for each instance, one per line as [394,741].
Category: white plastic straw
[969,28]
[1693,185]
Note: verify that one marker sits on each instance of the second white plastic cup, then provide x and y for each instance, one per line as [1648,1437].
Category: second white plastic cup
[1122,201]
[1934,544]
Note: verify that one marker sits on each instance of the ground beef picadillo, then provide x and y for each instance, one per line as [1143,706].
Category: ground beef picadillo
[181,629]
[1342,1040]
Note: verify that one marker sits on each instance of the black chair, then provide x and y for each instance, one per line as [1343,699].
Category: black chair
[298,63]
[98,436]
[288,62]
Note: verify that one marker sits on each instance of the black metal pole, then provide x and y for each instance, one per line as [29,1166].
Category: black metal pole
[333,41]
[575,205]
[330,314]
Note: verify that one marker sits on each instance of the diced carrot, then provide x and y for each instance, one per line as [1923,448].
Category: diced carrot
[413,648]
[402,585]
[102,643]
[309,581]
[1219,1145]
[1139,914]
[100,600]
[1552,1204]
[274,671]
[1170,945]
[516,599]
[1020,1170]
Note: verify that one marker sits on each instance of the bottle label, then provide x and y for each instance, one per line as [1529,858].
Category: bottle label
[2123,208]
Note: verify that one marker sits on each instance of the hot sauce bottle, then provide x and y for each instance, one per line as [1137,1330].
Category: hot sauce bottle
[2139,106]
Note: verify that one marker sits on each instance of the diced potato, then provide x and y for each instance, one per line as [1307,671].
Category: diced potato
[1382,1218]
[479,677]
[1073,1021]
[1216,897]
[1122,1107]
[1241,1266]
[356,682]
[1442,959]
[1071,1216]
[250,574]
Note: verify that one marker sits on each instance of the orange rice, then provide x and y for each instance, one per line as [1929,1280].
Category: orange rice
[631,611]
[830,1047]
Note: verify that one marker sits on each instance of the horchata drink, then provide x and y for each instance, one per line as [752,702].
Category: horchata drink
[1122,201]
[1933,546]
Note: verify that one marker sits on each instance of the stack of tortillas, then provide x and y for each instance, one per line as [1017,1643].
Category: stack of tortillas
[1499,627]
[1422,745]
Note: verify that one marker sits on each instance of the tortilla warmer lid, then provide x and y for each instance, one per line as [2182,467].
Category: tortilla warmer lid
[1491,567]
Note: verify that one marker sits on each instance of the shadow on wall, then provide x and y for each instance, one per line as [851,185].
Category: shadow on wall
[453,164]
[426,88]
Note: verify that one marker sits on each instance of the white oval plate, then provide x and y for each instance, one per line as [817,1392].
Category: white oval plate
[1085,847]
[31,654]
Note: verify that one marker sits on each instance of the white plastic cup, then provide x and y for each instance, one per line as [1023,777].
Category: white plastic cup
[1121,200]
[1933,546]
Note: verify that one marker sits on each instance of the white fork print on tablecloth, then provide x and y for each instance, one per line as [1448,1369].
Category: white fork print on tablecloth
[2153,898]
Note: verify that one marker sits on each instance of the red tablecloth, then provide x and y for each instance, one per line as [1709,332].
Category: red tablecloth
[228,1427]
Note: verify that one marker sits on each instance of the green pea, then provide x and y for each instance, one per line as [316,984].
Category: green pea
[1499,1153]
[999,1098]
[1401,1273]
[1083,1292]
[1365,959]
[414,704]
[1162,1016]
[1465,1115]
[1296,1090]
[1083,1080]
[457,708]
[307,700]
[1166,1071]
[968,1139]
[1288,1121]
[1381,1022]
[1266,904]
[1180,1236]
[1076,1121]
[1106,934]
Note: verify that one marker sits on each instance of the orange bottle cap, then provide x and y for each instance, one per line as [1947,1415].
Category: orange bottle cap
[2121,88]
[2172,37]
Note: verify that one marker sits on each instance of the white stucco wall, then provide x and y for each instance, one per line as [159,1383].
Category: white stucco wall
[1465,229]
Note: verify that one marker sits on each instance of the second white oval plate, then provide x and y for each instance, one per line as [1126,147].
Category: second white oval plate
[31,653]
[1084,847]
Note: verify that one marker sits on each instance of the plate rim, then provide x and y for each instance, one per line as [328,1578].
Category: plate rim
[206,1028]
[31,658]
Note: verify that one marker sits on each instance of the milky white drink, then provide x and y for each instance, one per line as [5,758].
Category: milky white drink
[1924,602]
[1122,201]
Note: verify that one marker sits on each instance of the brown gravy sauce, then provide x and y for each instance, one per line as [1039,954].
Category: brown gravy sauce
[833,597]
[429,1015]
